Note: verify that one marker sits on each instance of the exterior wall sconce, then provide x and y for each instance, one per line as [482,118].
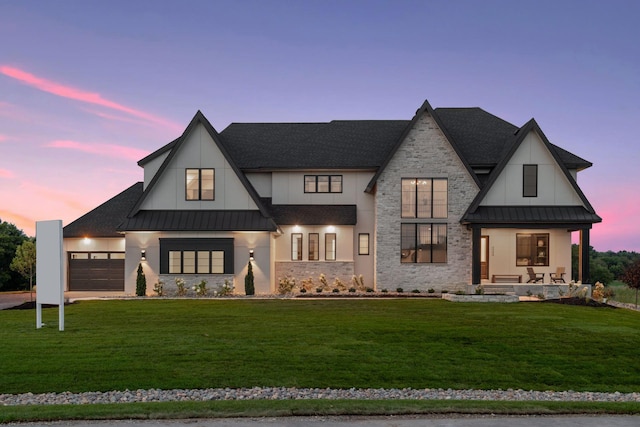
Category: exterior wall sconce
[143,255]
[251,255]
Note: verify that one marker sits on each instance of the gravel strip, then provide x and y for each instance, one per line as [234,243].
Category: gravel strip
[282,393]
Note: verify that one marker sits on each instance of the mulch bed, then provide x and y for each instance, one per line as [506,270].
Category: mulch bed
[31,305]
[579,301]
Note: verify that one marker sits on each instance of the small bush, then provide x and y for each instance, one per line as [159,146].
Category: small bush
[352,290]
[460,292]
[444,291]
[141,282]
[479,290]
[249,287]
[226,288]
[201,288]
[368,290]
[415,291]
[399,290]
[181,289]
[318,289]
[335,290]
[158,288]
[286,285]
[431,290]
[384,291]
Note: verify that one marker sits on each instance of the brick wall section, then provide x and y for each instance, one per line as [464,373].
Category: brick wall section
[300,270]
[425,153]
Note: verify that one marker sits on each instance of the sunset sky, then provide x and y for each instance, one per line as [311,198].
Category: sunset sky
[88,88]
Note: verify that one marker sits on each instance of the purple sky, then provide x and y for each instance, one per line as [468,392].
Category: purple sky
[89,88]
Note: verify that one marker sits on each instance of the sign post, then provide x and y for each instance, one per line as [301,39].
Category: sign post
[50,286]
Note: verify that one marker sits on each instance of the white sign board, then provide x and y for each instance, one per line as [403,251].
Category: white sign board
[50,286]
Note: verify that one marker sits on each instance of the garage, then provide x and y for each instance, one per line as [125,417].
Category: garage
[96,271]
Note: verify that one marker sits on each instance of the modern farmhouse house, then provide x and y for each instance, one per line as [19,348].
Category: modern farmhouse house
[452,197]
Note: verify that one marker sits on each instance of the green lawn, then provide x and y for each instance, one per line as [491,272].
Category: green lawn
[417,343]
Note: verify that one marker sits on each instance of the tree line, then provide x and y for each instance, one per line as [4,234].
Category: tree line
[605,267]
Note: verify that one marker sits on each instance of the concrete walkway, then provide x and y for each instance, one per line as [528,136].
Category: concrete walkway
[412,421]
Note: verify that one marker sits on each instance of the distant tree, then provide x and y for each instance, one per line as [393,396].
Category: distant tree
[141,282]
[249,288]
[631,278]
[10,238]
[24,262]
[600,272]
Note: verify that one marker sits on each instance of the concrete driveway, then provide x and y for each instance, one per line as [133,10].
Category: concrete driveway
[12,299]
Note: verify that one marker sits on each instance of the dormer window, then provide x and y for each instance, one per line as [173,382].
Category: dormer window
[530,181]
[200,184]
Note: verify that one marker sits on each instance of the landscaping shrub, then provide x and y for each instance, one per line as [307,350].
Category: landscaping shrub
[141,282]
[249,288]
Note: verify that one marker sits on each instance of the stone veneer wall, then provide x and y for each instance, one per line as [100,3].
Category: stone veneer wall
[214,283]
[425,153]
[300,270]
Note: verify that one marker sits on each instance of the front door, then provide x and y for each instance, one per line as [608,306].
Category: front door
[484,257]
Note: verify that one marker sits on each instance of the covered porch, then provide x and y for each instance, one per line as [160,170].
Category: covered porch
[509,242]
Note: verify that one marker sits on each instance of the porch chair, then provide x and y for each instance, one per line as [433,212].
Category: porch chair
[558,276]
[534,277]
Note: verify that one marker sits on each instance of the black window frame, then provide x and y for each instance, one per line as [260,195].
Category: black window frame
[331,180]
[299,253]
[536,250]
[360,251]
[415,202]
[186,190]
[529,180]
[410,248]
[315,247]
[326,247]
[196,245]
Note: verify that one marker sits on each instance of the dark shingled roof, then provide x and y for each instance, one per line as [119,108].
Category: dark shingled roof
[484,138]
[547,215]
[312,214]
[340,144]
[104,220]
[197,220]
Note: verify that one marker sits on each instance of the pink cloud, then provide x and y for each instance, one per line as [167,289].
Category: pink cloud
[80,95]
[24,223]
[4,173]
[3,138]
[111,150]
[68,199]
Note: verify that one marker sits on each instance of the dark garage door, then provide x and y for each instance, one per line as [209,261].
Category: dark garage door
[93,271]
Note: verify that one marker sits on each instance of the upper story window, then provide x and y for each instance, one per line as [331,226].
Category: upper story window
[323,183]
[424,198]
[529,180]
[200,184]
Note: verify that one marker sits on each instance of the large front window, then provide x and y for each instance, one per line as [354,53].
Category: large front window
[330,246]
[200,184]
[424,198]
[532,249]
[423,243]
[196,256]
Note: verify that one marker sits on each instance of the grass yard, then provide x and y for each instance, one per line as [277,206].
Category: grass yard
[417,343]
[623,293]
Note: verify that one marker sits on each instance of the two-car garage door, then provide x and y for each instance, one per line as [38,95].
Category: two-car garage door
[96,271]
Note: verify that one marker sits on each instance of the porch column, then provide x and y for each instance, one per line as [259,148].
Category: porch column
[583,258]
[476,247]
